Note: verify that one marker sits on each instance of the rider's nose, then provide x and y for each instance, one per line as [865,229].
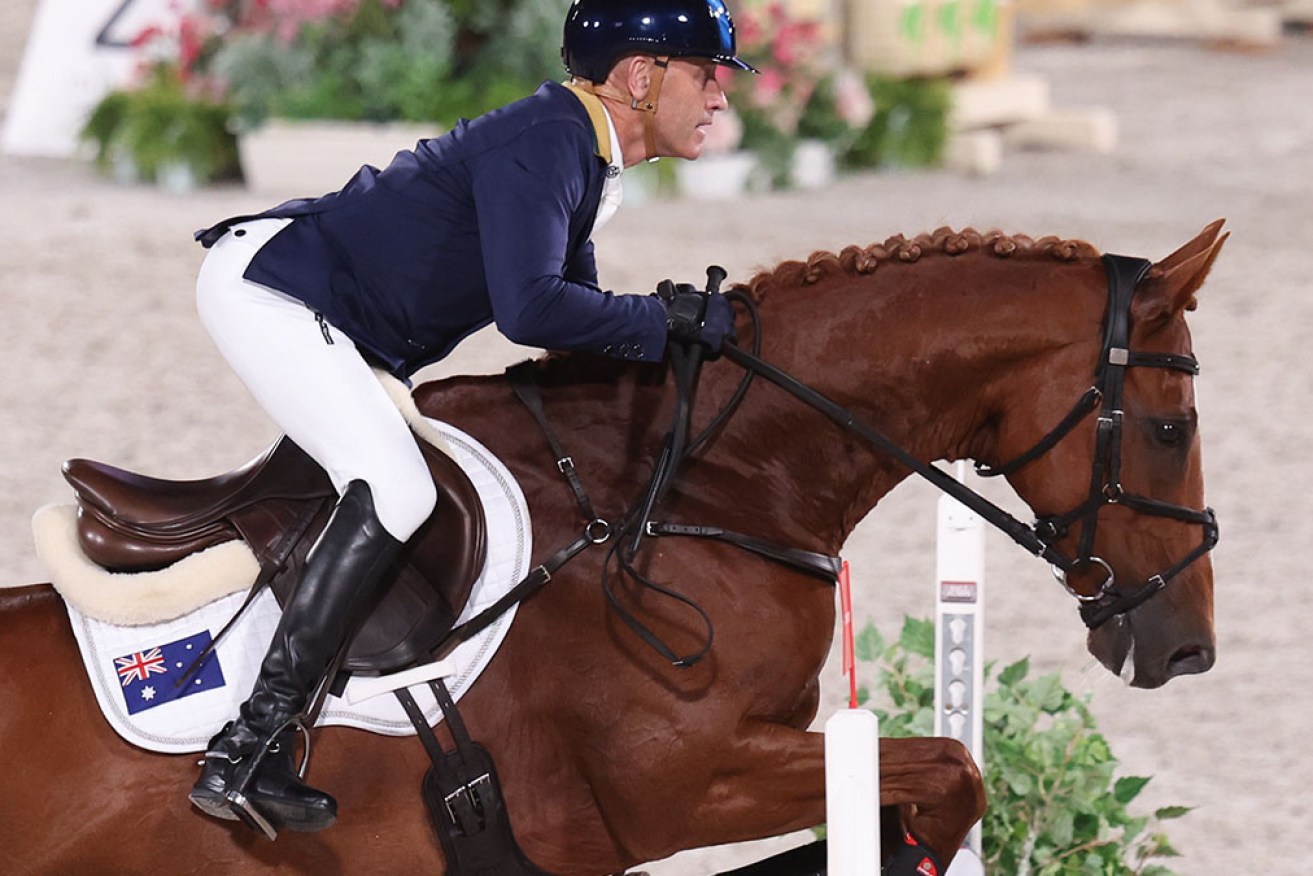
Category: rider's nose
[718,99]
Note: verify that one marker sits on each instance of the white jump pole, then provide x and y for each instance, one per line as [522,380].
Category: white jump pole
[852,793]
[960,642]
[852,771]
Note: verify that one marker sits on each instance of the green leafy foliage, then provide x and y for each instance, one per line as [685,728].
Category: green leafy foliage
[161,124]
[821,119]
[417,61]
[773,147]
[909,128]
[1055,804]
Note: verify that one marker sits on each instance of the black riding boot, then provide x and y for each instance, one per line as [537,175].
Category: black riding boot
[249,770]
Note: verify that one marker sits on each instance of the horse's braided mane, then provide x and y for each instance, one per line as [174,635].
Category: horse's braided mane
[572,367]
[943,241]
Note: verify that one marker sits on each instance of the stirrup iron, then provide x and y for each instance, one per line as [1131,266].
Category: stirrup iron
[241,805]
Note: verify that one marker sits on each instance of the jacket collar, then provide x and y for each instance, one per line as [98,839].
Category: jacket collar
[597,115]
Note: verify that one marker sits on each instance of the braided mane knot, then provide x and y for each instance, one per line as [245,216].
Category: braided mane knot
[861,260]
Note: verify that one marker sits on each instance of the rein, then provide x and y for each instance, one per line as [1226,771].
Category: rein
[686,364]
[627,534]
[1124,276]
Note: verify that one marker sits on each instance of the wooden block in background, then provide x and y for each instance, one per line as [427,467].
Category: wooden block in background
[1091,129]
[1209,20]
[986,103]
[974,153]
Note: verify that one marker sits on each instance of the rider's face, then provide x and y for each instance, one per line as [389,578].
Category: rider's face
[690,97]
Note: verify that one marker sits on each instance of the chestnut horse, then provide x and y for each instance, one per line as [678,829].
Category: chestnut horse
[954,345]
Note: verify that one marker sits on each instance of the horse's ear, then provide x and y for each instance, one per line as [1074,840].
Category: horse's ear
[1173,282]
[1202,241]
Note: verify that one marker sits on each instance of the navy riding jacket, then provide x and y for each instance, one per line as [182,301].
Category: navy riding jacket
[489,222]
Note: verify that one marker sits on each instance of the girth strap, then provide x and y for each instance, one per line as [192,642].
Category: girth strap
[463,795]
[455,723]
[596,530]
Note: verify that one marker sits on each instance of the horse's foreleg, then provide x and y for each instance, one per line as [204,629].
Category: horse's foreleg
[772,781]
[936,786]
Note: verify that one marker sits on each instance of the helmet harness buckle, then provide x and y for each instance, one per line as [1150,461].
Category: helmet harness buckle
[647,105]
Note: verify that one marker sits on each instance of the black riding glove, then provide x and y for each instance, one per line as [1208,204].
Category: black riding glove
[694,317]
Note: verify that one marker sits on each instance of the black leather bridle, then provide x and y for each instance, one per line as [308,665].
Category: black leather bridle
[1124,276]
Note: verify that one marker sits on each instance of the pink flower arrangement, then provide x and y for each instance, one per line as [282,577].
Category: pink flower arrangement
[724,134]
[193,32]
[788,51]
[852,99]
[286,17]
[181,45]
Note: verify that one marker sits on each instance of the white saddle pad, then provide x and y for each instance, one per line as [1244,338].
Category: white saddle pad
[134,669]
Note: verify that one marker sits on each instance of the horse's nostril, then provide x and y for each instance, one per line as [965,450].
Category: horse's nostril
[1190,660]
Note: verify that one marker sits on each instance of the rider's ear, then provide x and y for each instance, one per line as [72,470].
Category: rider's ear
[1173,282]
[638,75]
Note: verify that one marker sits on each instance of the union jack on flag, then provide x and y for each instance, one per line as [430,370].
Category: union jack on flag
[140,666]
[152,677]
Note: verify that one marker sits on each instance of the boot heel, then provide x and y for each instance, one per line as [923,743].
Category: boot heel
[213,805]
[242,808]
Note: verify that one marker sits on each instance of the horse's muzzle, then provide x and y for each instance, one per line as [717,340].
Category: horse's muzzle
[1191,660]
[1139,664]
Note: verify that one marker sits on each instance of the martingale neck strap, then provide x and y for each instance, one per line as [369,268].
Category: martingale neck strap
[595,531]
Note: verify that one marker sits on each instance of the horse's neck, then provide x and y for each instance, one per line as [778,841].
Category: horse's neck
[927,354]
[916,351]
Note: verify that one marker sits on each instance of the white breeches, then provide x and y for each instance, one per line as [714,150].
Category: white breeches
[313,382]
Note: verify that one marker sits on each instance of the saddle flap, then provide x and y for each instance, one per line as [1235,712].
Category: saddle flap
[432,578]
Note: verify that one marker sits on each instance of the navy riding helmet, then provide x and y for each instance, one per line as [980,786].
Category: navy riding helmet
[600,32]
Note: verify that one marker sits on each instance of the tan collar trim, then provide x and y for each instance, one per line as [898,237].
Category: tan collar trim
[597,115]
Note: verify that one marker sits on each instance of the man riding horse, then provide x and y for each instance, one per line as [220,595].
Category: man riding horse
[489,223]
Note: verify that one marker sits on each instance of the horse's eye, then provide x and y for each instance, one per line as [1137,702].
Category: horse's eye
[1168,433]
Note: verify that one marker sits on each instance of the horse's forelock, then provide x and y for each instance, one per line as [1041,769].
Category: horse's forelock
[857,260]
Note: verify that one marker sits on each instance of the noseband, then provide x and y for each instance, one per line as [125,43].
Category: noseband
[1124,276]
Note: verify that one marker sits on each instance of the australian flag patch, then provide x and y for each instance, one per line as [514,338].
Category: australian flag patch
[168,672]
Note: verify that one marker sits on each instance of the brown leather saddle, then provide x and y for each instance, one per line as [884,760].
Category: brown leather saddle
[278,503]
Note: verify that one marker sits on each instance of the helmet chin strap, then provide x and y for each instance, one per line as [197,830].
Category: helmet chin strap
[647,107]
